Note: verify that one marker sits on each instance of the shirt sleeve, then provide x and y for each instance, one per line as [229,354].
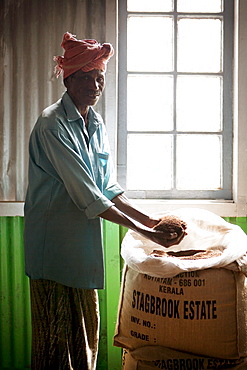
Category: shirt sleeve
[73,173]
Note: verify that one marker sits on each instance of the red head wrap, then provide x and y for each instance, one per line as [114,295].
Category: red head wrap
[82,54]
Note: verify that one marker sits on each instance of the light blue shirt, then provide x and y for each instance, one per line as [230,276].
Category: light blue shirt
[71,181]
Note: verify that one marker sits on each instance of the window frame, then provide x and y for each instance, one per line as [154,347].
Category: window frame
[237,206]
[226,192]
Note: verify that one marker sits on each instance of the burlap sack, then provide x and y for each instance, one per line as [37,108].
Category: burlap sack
[150,358]
[201,312]
[206,231]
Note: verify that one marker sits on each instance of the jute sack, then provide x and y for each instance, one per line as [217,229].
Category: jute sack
[155,357]
[206,232]
[201,312]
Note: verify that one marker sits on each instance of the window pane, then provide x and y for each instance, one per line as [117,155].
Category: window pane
[199,6]
[199,162]
[150,44]
[146,96]
[149,162]
[150,6]
[199,45]
[199,103]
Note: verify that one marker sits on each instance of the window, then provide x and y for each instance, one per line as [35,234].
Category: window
[175,99]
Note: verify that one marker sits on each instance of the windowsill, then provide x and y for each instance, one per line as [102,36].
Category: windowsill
[221,208]
[11,209]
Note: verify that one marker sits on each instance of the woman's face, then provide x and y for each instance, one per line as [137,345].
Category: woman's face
[85,88]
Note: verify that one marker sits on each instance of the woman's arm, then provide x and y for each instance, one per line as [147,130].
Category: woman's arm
[125,206]
[126,214]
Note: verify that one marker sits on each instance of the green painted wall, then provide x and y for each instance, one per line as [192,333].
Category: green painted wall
[15,322]
[15,326]
[15,329]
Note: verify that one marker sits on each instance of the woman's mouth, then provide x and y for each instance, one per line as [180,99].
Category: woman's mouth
[94,95]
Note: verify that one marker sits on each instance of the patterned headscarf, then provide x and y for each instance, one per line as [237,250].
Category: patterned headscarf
[82,54]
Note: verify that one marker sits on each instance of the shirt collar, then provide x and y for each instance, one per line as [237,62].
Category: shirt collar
[70,108]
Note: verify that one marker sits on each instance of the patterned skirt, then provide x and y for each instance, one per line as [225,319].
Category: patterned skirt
[65,326]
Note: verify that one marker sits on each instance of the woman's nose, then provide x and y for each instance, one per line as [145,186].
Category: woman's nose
[94,84]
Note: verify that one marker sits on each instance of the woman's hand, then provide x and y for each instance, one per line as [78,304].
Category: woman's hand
[164,238]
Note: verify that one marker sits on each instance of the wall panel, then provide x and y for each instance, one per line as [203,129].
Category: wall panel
[30,35]
[15,329]
[15,318]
